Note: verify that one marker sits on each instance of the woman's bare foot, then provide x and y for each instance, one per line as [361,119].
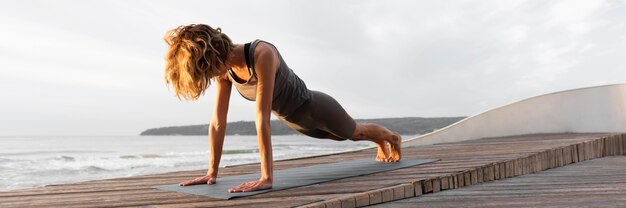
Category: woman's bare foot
[382,152]
[383,138]
[395,148]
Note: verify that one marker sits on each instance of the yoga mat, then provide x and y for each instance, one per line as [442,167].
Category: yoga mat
[295,177]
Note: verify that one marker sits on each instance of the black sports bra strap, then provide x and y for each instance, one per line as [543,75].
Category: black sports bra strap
[250,53]
[246,49]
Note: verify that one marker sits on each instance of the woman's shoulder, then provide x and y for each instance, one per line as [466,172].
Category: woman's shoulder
[265,55]
[263,48]
[262,44]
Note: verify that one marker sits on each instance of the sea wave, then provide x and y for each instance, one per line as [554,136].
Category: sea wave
[65,158]
[239,151]
[54,152]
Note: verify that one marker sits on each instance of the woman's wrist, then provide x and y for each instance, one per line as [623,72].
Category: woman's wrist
[211,173]
[266,179]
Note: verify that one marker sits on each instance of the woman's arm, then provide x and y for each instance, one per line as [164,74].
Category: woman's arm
[265,68]
[217,131]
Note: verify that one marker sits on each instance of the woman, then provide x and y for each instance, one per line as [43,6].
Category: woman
[199,54]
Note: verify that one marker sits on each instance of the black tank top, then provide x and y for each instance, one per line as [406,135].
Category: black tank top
[290,92]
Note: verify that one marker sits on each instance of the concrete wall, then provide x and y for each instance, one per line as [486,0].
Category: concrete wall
[592,109]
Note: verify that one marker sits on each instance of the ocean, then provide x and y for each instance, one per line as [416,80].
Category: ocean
[38,161]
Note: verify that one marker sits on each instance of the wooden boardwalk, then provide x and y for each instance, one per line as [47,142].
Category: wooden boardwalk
[462,164]
[592,183]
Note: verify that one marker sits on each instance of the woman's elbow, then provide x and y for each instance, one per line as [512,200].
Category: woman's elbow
[263,124]
[218,125]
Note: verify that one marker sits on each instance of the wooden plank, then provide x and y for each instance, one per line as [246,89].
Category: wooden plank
[451,182]
[479,175]
[376,197]
[496,171]
[387,194]
[398,192]
[611,145]
[460,179]
[316,205]
[467,178]
[348,202]
[491,171]
[419,188]
[362,200]
[614,146]
[581,152]
[509,169]
[527,165]
[445,185]
[427,186]
[436,184]
[623,144]
[473,176]
[333,204]
[559,156]
[605,143]
[515,167]
[574,149]
[617,149]
[409,190]
[533,164]
[548,158]
[543,160]
[597,148]
[567,155]
[588,150]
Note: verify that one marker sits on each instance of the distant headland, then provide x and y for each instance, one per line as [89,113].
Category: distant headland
[404,126]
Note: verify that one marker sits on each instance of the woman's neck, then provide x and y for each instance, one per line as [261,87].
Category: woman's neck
[238,62]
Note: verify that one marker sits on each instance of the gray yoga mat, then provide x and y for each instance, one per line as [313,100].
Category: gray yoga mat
[296,177]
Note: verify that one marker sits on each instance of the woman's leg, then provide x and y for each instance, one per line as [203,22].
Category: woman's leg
[381,136]
[324,117]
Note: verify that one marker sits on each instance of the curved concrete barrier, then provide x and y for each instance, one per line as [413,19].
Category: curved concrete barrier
[591,109]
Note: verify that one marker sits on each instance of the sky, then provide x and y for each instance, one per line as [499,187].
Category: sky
[95,68]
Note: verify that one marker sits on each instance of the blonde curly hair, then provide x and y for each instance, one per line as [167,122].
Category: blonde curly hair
[197,53]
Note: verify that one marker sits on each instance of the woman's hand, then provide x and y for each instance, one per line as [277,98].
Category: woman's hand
[200,180]
[252,186]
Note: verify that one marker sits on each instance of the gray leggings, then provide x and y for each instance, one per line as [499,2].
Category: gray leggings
[321,117]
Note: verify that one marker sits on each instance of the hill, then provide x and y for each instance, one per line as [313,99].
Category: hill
[405,126]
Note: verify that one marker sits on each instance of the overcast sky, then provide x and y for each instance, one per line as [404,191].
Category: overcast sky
[96,67]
